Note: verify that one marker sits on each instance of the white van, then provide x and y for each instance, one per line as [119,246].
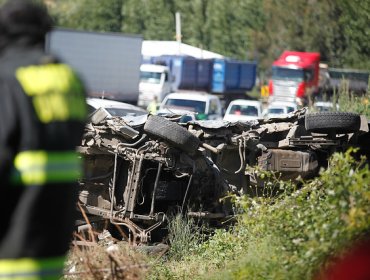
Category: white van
[204,105]
[243,110]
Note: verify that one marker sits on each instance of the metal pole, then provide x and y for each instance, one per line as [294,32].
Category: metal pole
[178,31]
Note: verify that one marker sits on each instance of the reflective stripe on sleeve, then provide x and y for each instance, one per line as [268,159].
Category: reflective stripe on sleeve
[40,167]
[31,269]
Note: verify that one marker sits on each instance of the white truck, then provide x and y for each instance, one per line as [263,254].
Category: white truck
[109,63]
[155,80]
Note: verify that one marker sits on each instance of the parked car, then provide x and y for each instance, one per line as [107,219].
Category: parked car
[243,110]
[280,109]
[136,176]
[324,106]
[204,105]
[114,108]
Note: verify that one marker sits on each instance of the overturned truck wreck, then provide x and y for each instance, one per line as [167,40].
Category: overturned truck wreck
[140,170]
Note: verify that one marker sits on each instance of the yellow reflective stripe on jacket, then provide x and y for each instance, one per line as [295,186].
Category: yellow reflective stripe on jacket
[31,269]
[57,94]
[39,167]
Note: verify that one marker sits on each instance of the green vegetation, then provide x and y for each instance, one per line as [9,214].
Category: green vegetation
[348,101]
[355,103]
[241,29]
[290,236]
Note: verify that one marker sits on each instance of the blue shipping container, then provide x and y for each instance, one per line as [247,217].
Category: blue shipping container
[232,76]
[220,76]
[196,74]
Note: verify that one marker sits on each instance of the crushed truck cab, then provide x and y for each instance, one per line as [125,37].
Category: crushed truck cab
[138,172]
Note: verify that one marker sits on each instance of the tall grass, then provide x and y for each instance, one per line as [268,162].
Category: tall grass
[349,102]
[352,102]
[184,235]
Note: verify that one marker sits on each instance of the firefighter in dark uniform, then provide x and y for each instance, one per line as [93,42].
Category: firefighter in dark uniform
[42,115]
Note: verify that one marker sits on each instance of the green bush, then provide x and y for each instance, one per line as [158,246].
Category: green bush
[289,236]
[295,234]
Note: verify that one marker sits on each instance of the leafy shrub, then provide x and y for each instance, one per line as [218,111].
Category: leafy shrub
[305,228]
[289,236]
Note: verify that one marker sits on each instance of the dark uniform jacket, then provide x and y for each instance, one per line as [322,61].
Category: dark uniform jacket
[42,115]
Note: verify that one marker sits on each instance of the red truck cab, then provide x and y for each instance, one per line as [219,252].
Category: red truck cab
[295,77]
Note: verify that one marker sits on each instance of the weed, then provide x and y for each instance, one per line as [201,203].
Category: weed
[184,235]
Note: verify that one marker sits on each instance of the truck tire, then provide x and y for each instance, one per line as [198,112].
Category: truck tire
[172,132]
[338,122]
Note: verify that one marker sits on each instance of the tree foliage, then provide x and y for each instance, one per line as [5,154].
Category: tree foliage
[93,15]
[242,29]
